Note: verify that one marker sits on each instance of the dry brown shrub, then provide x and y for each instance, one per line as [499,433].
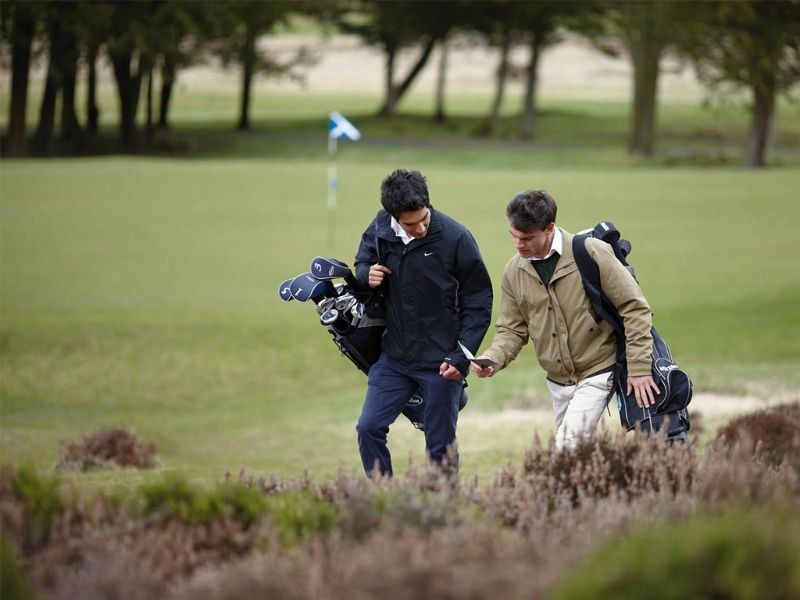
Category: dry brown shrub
[393,563]
[108,448]
[622,468]
[772,434]
[426,535]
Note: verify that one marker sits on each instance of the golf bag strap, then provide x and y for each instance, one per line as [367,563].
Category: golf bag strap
[601,305]
[377,243]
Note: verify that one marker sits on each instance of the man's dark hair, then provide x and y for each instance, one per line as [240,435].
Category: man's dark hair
[404,191]
[532,210]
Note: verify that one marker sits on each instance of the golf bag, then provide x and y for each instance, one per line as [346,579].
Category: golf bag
[674,384]
[343,311]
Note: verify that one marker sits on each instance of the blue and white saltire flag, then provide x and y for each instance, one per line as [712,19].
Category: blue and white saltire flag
[339,127]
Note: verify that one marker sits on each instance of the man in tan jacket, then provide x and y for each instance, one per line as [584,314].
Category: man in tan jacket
[544,300]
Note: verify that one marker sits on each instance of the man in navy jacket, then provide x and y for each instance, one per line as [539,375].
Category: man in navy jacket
[437,293]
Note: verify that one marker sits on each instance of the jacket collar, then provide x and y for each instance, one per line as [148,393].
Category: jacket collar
[564,265]
[383,225]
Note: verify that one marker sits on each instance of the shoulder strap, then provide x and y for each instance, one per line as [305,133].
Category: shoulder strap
[602,306]
[377,243]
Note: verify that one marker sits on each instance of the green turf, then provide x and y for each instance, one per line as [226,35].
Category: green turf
[142,292]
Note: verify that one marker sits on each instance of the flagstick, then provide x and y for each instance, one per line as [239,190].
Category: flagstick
[333,184]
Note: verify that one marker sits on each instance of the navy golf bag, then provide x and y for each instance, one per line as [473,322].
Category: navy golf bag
[343,310]
[674,384]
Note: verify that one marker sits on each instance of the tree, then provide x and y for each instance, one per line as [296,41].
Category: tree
[538,23]
[496,21]
[93,33]
[645,29]
[393,26]
[62,26]
[244,23]
[18,28]
[184,28]
[749,44]
[130,60]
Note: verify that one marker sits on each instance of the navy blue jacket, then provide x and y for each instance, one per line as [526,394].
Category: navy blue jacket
[439,292]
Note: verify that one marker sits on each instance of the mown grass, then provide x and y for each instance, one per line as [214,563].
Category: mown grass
[141,291]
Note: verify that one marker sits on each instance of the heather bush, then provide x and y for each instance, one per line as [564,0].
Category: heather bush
[299,516]
[30,505]
[463,562]
[13,582]
[175,497]
[424,535]
[621,468]
[107,448]
[772,434]
[743,554]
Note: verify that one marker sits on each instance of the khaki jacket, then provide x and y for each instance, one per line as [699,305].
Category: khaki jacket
[570,344]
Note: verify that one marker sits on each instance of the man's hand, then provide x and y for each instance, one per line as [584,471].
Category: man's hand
[376,275]
[644,388]
[482,372]
[448,371]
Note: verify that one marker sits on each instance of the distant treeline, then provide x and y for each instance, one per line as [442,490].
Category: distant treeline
[749,44]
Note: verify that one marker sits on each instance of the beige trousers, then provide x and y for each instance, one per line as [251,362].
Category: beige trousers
[578,407]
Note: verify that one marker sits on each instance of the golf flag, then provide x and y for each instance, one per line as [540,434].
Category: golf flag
[339,127]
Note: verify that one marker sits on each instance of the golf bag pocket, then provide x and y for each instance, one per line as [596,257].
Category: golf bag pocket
[675,386]
[375,306]
[362,345]
[648,419]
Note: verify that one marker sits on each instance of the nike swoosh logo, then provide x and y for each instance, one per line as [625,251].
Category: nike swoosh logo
[428,253]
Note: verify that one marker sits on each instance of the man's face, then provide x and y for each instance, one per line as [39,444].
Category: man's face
[534,243]
[415,222]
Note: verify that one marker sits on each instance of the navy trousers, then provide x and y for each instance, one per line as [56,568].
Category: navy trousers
[390,386]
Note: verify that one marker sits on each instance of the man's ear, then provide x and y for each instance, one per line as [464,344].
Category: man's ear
[550,228]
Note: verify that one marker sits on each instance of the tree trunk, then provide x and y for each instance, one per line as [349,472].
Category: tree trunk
[43,138]
[390,102]
[528,125]
[149,129]
[92,112]
[22,40]
[167,79]
[440,81]
[70,128]
[645,56]
[502,71]
[248,68]
[400,90]
[645,39]
[128,92]
[760,127]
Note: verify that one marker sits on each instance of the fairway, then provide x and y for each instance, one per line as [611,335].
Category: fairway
[143,292]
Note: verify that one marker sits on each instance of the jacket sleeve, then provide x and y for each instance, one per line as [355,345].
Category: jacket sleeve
[474,300]
[627,297]
[511,328]
[367,254]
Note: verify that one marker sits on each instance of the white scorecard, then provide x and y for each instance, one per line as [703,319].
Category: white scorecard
[481,362]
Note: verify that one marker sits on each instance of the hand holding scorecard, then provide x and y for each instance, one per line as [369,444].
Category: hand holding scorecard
[481,362]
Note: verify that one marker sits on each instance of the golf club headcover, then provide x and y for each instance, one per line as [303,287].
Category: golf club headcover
[305,287]
[285,290]
[328,268]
